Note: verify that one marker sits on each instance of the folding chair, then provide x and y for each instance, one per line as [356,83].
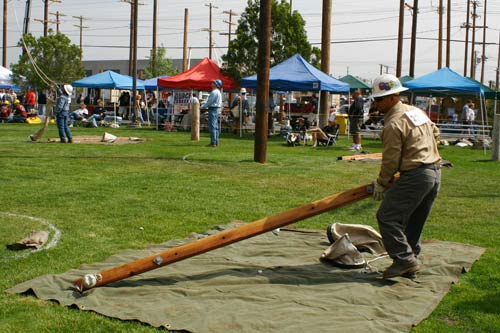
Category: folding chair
[331,137]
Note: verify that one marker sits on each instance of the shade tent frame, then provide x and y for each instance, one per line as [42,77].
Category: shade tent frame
[296,74]
[109,80]
[446,82]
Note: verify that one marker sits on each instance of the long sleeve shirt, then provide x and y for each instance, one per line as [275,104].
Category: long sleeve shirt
[409,140]
[214,100]
[62,104]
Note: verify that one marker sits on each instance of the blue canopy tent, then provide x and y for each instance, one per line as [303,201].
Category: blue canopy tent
[443,82]
[153,83]
[296,74]
[109,80]
[446,82]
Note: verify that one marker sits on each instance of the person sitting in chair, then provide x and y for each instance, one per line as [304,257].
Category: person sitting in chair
[78,114]
[325,135]
[98,114]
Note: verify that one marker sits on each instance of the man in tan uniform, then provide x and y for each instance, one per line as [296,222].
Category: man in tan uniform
[409,140]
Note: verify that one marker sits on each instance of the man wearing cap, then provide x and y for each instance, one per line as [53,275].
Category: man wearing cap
[409,140]
[61,112]
[214,105]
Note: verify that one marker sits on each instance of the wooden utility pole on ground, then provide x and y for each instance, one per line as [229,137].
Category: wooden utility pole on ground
[263,66]
[483,56]
[400,37]
[467,24]
[223,238]
[413,37]
[4,50]
[185,42]
[326,22]
[440,36]
[448,32]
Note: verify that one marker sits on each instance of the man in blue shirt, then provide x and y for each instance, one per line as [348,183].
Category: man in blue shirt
[61,112]
[214,106]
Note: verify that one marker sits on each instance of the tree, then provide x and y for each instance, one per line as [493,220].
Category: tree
[288,37]
[49,58]
[164,66]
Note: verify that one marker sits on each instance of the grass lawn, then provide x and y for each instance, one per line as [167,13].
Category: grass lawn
[108,198]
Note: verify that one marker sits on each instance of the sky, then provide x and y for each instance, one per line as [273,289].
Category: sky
[364,32]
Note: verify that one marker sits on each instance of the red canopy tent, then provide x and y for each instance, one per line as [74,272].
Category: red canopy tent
[199,77]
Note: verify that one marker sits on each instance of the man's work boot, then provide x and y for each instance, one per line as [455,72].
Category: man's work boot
[405,268]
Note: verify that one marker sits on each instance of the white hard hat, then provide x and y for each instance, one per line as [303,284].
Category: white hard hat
[68,88]
[243,91]
[387,84]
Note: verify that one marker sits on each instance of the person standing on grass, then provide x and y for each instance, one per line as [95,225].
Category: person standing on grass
[409,141]
[42,103]
[356,119]
[61,111]
[214,106]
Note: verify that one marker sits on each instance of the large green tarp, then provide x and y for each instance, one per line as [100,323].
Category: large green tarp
[274,282]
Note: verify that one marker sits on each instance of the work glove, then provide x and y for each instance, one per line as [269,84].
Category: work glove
[378,191]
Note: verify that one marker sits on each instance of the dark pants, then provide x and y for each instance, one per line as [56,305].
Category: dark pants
[406,206]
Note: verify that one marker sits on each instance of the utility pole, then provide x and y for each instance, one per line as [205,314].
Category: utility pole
[185,44]
[498,64]
[230,25]
[4,50]
[400,37]
[58,21]
[448,32]
[440,35]
[132,46]
[134,61]
[46,17]
[45,22]
[483,56]
[467,25]
[324,109]
[27,13]
[153,55]
[131,40]
[210,44]
[473,51]
[263,64]
[81,26]
[413,37]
